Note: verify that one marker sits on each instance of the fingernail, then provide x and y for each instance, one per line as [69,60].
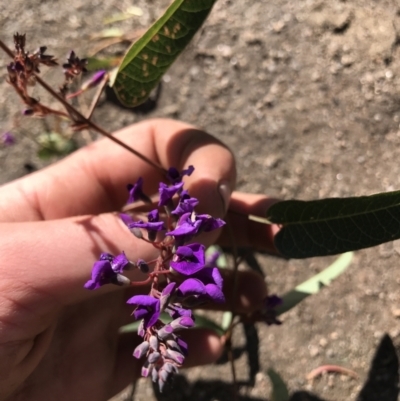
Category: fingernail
[225,191]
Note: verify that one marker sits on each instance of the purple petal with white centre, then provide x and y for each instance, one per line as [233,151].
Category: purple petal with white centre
[189,259]
[148,309]
[119,263]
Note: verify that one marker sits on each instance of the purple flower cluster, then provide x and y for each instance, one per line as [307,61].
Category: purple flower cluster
[180,279]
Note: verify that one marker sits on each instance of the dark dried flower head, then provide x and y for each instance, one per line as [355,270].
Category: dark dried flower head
[42,58]
[19,42]
[74,66]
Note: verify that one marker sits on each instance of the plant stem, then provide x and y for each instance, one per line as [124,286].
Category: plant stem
[83,120]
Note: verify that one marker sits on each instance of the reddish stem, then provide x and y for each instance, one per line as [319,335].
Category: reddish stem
[331,368]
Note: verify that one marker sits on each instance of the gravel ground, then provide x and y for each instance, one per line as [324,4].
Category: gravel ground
[305,94]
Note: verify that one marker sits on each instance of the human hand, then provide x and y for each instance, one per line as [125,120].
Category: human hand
[60,341]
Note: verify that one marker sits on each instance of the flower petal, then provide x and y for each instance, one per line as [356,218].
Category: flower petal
[192,286]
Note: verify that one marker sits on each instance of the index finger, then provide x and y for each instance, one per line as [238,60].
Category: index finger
[93,180]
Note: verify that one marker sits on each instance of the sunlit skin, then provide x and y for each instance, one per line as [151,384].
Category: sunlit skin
[60,341]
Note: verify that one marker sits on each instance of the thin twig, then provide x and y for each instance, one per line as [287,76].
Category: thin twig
[97,97]
[232,306]
[83,120]
[331,369]
[233,371]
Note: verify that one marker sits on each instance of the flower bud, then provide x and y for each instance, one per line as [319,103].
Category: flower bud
[154,357]
[164,375]
[153,343]
[170,368]
[154,375]
[183,322]
[141,332]
[141,350]
[166,331]
[123,280]
[137,232]
[95,80]
[146,369]
[175,356]
[161,384]
[28,112]
[142,266]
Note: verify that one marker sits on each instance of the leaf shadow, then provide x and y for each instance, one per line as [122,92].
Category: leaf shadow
[201,390]
[383,376]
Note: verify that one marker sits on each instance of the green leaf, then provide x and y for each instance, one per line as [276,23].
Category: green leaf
[280,391]
[54,144]
[315,283]
[202,321]
[95,64]
[150,56]
[226,320]
[336,225]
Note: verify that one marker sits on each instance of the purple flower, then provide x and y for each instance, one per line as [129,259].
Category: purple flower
[152,226]
[148,309]
[191,224]
[205,285]
[166,294]
[188,259]
[167,192]
[102,273]
[94,80]
[7,138]
[107,271]
[120,262]
[136,192]
[175,176]
[186,204]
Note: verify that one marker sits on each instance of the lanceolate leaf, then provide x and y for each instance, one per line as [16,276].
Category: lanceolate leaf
[149,58]
[315,283]
[337,225]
